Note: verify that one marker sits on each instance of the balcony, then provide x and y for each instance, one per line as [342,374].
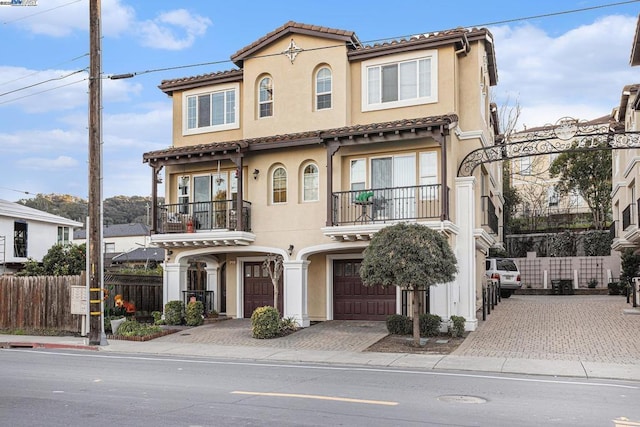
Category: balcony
[489,217]
[213,223]
[358,214]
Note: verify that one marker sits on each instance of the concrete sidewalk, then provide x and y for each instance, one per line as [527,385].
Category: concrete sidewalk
[565,336]
[504,365]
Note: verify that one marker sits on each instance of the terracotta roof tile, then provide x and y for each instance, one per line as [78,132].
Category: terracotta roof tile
[182,83]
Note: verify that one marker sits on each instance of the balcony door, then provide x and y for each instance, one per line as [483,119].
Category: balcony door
[212,202]
[202,202]
[394,179]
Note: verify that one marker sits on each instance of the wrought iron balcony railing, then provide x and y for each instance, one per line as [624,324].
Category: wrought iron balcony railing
[381,205]
[198,216]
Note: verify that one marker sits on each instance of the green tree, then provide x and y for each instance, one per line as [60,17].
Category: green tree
[60,260]
[410,256]
[630,263]
[588,173]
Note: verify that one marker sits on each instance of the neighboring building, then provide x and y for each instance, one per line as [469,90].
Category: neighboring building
[29,233]
[147,258]
[625,196]
[542,206]
[119,238]
[310,147]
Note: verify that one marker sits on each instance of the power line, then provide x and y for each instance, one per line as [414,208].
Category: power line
[41,12]
[42,91]
[42,82]
[17,191]
[41,71]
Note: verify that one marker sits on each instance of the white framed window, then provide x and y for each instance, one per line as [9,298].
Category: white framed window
[211,111]
[552,196]
[525,166]
[279,185]
[265,97]
[183,194]
[63,235]
[310,183]
[323,88]
[109,248]
[358,174]
[429,174]
[409,79]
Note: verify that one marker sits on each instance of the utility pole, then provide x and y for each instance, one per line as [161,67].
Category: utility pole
[94,226]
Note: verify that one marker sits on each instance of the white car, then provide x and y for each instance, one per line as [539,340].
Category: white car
[506,272]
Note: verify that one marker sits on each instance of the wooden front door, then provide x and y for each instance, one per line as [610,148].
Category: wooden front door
[258,290]
[354,301]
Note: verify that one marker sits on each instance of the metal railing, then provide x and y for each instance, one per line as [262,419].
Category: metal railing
[381,205]
[489,217]
[206,297]
[192,217]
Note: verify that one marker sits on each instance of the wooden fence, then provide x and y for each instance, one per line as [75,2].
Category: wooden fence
[44,302]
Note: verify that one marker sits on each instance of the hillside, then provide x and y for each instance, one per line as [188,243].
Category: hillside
[116,210]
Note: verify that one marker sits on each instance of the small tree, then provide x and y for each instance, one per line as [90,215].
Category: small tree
[630,266]
[409,256]
[60,260]
[273,266]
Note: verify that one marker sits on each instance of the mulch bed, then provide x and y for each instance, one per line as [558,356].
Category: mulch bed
[145,337]
[404,344]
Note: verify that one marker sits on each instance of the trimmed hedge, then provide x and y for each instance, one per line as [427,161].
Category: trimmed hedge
[194,314]
[174,312]
[265,322]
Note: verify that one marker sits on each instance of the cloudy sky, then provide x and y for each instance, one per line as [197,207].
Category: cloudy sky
[555,59]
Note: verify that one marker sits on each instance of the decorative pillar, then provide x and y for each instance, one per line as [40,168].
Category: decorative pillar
[295,291]
[466,250]
[175,281]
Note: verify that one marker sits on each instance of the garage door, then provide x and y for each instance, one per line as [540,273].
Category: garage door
[353,301]
[258,290]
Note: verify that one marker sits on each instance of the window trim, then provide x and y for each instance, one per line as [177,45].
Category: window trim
[235,87]
[260,103]
[317,182]
[64,231]
[286,185]
[329,92]
[398,59]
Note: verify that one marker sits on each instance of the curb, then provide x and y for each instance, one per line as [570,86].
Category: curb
[19,344]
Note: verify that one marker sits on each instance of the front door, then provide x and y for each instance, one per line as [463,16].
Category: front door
[258,289]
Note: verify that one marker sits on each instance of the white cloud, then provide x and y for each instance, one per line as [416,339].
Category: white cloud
[567,75]
[173,30]
[39,141]
[60,163]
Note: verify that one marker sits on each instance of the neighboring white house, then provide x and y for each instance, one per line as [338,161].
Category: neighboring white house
[119,238]
[29,233]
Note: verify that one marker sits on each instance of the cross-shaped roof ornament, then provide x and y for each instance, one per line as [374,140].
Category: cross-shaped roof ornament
[292,51]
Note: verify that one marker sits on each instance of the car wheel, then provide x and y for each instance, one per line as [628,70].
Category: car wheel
[505,293]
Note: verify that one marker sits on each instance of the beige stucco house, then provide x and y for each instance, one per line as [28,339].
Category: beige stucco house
[308,148]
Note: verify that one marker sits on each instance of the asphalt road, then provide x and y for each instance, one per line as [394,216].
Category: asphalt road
[67,388]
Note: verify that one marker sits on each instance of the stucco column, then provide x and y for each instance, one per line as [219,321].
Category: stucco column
[465,250]
[175,281]
[295,291]
[212,284]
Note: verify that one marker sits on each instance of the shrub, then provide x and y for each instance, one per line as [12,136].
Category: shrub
[398,324]
[456,326]
[430,325]
[194,314]
[174,312]
[288,325]
[131,328]
[265,322]
[157,317]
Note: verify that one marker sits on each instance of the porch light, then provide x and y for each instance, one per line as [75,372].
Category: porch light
[290,250]
[256,172]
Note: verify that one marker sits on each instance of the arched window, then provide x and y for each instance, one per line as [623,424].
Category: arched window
[279,185]
[310,183]
[323,89]
[265,97]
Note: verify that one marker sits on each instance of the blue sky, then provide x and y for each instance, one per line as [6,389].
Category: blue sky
[571,64]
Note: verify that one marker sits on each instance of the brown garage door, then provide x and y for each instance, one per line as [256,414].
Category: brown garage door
[353,301]
[258,290]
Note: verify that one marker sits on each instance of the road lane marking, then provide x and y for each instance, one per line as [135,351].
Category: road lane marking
[318,397]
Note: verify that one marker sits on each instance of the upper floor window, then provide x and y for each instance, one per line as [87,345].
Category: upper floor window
[211,111]
[310,183]
[20,239]
[279,185]
[409,81]
[525,166]
[265,97]
[63,235]
[429,174]
[109,247]
[358,174]
[183,194]
[323,89]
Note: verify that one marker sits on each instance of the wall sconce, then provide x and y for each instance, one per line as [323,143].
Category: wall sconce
[256,172]
[290,250]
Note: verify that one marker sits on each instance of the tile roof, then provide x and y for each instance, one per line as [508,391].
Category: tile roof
[303,138]
[184,83]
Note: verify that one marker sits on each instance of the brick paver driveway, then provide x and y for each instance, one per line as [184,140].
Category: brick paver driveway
[581,327]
